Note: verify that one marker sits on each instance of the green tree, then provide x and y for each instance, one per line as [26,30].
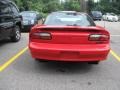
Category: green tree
[107,6]
[72,5]
[90,5]
[47,6]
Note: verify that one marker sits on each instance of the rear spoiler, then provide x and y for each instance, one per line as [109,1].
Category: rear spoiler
[89,28]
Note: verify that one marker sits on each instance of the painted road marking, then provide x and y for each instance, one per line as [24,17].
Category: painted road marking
[115,55]
[11,60]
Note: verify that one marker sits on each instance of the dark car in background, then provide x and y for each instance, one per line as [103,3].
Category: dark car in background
[96,15]
[30,18]
[10,21]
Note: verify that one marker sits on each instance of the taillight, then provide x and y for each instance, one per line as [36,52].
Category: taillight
[41,35]
[98,37]
[45,35]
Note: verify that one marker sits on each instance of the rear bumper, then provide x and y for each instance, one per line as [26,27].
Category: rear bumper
[64,52]
[112,19]
[97,18]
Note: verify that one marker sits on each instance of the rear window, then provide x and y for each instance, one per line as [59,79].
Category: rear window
[96,12]
[69,19]
[28,15]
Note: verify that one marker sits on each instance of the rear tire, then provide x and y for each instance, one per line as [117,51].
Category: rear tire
[40,60]
[16,34]
[94,62]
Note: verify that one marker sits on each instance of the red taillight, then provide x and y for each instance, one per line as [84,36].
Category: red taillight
[45,35]
[98,37]
[41,35]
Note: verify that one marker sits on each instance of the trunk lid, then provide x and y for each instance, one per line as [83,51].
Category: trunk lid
[69,34]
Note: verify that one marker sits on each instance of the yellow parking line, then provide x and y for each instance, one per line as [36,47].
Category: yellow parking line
[10,61]
[115,55]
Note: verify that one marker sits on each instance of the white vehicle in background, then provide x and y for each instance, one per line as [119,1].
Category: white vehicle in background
[110,17]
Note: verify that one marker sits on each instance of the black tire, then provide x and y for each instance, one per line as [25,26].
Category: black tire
[16,34]
[40,60]
[94,62]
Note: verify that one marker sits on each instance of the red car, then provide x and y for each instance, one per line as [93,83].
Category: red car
[69,36]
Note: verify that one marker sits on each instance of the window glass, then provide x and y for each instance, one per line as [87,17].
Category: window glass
[14,9]
[69,19]
[4,9]
[28,15]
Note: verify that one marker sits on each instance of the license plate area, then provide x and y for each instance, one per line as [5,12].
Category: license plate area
[69,55]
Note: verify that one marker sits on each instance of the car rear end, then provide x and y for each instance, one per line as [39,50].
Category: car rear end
[27,25]
[69,43]
[29,19]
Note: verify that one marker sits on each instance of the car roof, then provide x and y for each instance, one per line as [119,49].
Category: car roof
[30,12]
[95,11]
[6,2]
[67,11]
[70,12]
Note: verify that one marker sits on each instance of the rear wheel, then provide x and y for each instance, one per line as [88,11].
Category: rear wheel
[16,34]
[94,62]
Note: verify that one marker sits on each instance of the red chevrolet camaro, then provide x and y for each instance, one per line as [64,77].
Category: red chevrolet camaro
[69,36]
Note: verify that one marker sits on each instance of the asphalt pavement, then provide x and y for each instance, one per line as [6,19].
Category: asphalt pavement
[19,71]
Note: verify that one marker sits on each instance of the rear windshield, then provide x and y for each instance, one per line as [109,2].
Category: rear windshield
[28,15]
[96,12]
[69,19]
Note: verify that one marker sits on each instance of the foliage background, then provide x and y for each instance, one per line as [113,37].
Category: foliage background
[106,6]
[47,6]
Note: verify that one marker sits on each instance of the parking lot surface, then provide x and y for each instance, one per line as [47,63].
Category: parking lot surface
[19,71]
